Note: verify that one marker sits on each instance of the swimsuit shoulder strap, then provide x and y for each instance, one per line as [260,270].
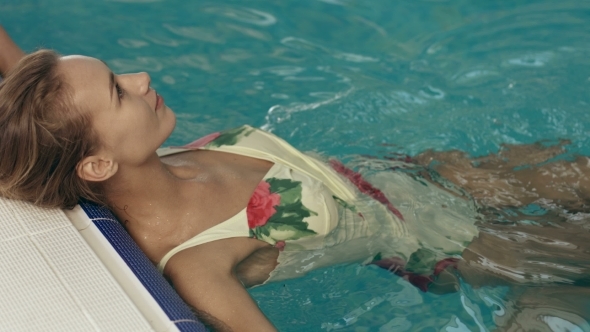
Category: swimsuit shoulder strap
[236,226]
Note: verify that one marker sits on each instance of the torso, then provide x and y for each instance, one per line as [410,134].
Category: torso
[216,186]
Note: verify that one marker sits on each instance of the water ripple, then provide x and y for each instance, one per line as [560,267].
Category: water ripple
[132,43]
[235,55]
[246,15]
[306,45]
[280,70]
[532,60]
[474,76]
[279,113]
[302,44]
[163,40]
[249,32]
[202,34]
[432,93]
[197,61]
[304,78]
[354,57]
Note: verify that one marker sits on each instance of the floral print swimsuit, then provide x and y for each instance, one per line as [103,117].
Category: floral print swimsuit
[287,205]
[322,213]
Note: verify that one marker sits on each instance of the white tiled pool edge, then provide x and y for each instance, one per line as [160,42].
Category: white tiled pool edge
[142,299]
[55,276]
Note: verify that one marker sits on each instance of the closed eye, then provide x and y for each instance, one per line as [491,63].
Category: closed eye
[120,91]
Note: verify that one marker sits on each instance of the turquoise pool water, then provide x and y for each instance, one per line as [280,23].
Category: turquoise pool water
[347,77]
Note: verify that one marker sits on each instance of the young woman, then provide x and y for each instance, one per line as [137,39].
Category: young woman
[241,207]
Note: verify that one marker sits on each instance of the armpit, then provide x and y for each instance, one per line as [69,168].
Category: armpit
[256,268]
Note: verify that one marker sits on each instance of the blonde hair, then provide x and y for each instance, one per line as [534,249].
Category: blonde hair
[43,136]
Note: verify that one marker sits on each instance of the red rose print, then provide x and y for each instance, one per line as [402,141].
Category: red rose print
[201,142]
[261,205]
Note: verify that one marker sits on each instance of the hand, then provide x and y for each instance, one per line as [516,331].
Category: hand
[10,53]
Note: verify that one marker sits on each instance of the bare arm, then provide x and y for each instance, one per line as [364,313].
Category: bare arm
[207,283]
[10,53]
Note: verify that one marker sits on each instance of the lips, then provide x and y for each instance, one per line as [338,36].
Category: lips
[159,101]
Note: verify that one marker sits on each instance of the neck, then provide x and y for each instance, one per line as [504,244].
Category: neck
[147,190]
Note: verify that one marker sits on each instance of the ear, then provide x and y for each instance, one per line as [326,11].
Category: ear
[96,168]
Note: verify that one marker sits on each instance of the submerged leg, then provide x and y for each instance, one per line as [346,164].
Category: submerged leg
[564,308]
[554,255]
[546,263]
[516,176]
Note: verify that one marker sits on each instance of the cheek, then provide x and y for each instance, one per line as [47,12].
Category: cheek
[109,132]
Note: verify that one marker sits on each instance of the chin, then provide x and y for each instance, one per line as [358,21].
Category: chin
[173,119]
[172,124]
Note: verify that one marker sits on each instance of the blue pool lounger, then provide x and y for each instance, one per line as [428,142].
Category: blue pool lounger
[79,270]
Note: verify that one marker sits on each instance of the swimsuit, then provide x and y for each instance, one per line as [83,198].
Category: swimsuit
[294,200]
[286,205]
[320,216]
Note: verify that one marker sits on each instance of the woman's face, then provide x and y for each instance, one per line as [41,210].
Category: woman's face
[130,118]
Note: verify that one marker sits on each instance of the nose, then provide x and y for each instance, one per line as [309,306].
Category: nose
[137,82]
